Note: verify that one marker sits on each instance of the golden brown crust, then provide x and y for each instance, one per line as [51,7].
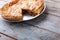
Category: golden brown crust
[13,2]
[31,6]
[7,5]
[37,11]
[12,12]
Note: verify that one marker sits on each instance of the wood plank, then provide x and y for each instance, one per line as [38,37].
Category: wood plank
[3,37]
[22,31]
[53,7]
[51,18]
[47,21]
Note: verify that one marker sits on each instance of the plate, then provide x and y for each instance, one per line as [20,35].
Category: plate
[28,17]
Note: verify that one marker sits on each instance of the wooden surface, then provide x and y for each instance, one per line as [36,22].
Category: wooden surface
[45,27]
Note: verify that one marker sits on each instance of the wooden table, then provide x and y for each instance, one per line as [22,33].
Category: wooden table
[45,27]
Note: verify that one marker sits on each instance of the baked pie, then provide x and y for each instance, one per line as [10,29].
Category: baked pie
[13,11]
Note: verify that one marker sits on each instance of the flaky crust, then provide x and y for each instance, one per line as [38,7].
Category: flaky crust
[7,5]
[12,12]
[36,12]
[33,7]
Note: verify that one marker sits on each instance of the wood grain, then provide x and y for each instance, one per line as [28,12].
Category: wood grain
[53,7]
[23,31]
[3,37]
[50,19]
[44,27]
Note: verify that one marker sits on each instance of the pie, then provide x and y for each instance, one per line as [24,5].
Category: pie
[13,10]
